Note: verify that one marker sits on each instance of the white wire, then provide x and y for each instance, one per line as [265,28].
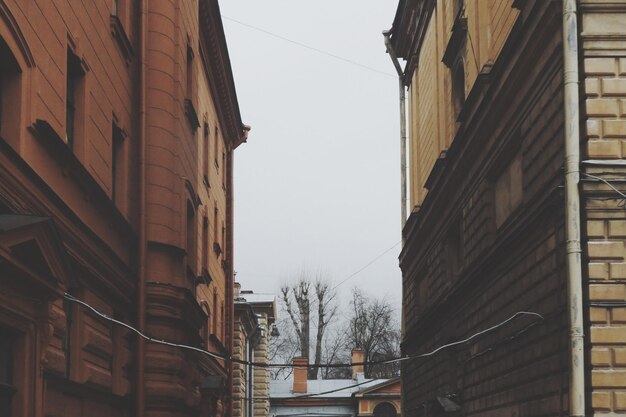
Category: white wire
[609,184]
[258,365]
[138,332]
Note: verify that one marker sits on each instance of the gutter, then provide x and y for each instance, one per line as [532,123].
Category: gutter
[403,182]
[572,209]
[141,282]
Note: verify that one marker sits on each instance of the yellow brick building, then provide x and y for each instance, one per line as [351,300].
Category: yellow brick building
[489,233]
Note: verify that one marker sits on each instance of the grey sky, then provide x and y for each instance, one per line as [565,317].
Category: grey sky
[317,184]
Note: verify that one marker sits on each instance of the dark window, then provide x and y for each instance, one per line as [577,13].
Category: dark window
[217,144]
[10,95]
[7,359]
[205,241]
[190,73]
[215,214]
[191,237]
[117,163]
[224,169]
[458,90]
[74,79]
[385,410]
[205,165]
[215,312]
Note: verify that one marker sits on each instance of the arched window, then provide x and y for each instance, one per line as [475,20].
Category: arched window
[385,410]
[458,90]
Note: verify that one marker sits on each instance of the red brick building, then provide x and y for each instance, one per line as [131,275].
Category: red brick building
[118,122]
[517,127]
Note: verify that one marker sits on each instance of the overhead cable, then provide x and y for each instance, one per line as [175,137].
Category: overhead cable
[312,48]
[218,356]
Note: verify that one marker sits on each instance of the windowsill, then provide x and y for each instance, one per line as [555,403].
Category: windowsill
[118,32]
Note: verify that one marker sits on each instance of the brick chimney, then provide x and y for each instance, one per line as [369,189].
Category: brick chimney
[358,356]
[300,375]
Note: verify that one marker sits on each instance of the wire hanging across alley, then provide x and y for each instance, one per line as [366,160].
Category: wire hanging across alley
[218,356]
[312,48]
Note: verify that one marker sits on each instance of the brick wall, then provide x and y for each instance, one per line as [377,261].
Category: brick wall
[604,94]
[515,111]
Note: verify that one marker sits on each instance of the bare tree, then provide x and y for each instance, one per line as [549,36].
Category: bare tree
[372,327]
[298,301]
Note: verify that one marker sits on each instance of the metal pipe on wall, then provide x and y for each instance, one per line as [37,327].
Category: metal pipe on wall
[141,287]
[572,209]
[403,180]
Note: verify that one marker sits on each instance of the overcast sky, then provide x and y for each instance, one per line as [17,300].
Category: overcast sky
[317,184]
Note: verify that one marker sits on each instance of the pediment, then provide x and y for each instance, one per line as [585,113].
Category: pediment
[31,247]
[390,387]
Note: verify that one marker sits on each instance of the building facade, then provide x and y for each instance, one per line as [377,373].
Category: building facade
[349,397]
[255,315]
[494,96]
[118,123]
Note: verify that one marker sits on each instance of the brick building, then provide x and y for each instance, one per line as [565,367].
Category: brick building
[118,122]
[494,96]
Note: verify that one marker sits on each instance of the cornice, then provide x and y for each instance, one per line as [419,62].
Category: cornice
[217,66]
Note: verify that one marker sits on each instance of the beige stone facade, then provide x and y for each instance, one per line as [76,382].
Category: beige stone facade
[486,234]
[255,315]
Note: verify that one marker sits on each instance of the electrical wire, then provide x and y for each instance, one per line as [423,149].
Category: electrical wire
[218,356]
[312,48]
[367,265]
[622,203]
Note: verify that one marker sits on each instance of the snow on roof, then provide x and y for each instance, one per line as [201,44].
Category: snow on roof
[283,389]
[253,298]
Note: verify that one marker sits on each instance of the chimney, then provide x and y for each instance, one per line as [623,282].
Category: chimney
[237,289]
[358,356]
[300,375]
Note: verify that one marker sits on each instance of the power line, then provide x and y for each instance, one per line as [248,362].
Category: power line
[367,265]
[312,48]
[218,356]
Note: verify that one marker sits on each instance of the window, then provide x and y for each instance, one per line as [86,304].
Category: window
[215,215]
[508,190]
[190,73]
[214,309]
[205,162]
[117,164]
[205,241]
[7,359]
[191,238]
[10,92]
[217,149]
[73,102]
[224,170]
[458,92]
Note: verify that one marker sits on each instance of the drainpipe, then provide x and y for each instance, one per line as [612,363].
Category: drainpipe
[141,282]
[403,191]
[572,209]
[396,64]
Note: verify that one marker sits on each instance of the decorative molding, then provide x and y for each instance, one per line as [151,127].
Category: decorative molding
[7,16]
